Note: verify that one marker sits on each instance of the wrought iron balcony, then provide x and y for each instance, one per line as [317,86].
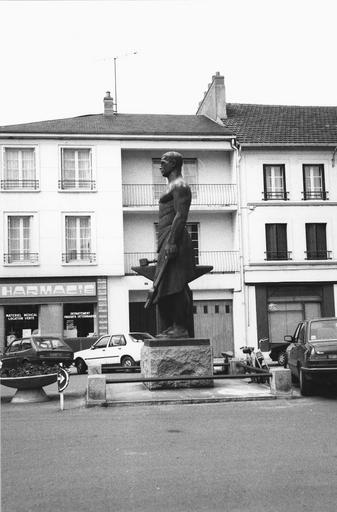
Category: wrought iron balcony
[78,256]
[275,195]
[315,194]
[21,257]
[318,255]
[222,261]
[20,184]
[77,185]
[278,255]
[212,195]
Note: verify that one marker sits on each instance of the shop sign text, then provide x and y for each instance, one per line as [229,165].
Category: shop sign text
[47,289]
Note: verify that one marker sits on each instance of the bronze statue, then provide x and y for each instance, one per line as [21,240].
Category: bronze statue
[175,265]
[176,262]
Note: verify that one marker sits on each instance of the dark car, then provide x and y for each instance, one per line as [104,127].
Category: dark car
[36,350]
[312,353]
[141,336]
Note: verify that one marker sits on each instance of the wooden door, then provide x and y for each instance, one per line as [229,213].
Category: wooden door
[213,319]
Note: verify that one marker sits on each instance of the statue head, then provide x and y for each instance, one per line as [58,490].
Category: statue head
[169,162]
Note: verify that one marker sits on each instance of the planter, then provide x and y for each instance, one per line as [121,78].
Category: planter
[29,389]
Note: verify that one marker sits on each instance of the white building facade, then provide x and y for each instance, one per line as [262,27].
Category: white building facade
[288,210]
[79,203]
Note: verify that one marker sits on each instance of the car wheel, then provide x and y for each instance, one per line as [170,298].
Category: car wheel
[305,385]
[127,361]
[81,366]
[281,358]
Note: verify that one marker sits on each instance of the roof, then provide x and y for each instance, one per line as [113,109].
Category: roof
[282,124]
[124,124]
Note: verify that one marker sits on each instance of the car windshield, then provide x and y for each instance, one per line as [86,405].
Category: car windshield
[323,330]
[48,343]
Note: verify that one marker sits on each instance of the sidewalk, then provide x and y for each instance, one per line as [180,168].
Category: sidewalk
[228,390]
[132,394]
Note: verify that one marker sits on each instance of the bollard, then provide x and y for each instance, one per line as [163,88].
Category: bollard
[280,382]
[96,389]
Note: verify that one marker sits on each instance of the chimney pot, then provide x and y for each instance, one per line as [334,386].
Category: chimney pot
[109,106]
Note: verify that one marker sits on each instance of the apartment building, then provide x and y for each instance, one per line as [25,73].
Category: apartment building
[288,209]
[79,202]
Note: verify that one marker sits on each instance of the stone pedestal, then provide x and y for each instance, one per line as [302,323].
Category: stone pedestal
[186,357]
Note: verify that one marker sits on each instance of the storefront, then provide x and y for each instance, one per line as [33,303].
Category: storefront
[67,308]
[280,307]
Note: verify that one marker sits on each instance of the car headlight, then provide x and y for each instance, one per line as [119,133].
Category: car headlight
[316,354]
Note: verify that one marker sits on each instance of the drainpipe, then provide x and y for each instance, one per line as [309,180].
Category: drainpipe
[237,150]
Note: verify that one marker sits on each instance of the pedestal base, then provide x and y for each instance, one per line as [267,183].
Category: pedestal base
[186,357]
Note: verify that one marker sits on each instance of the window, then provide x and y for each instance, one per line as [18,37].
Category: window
[102,342]
[313,182]
[193,230]
[76,169]
[117,341]
[78,239]
[19,169]
[276,242]
[19,243]
[316,242]
[189,172]
[274,182]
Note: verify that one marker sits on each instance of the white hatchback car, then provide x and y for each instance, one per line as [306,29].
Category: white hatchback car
[110,351]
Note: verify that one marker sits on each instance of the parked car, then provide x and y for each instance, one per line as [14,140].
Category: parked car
[110,351]
[36,350]
[312,353]
[141,336]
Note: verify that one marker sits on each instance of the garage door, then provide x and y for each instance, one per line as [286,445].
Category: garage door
[214,320]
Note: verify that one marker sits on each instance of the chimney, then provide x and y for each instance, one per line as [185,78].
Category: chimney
[109,106]
[213,104]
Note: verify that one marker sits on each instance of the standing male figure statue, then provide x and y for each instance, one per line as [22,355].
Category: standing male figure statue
[175,264]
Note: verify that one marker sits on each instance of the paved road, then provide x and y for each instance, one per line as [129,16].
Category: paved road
[253,456]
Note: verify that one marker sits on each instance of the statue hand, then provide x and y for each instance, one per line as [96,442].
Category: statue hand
[171,251]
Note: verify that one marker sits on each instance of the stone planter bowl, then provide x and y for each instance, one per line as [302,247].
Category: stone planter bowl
[29,389]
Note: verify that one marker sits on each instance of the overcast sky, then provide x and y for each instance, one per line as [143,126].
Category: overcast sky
[57,57]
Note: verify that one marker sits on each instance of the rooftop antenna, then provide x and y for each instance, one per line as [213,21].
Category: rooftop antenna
[115,72]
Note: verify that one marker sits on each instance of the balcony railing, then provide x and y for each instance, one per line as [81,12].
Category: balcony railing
[21,257]
[77,184]
[20,184]
[222,261]
[278,255]
[318,255]
[78,256]
[212,195]
[275,195]
[315,194]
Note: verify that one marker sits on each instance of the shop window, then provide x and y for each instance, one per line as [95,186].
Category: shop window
[78,320]
[20,321]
